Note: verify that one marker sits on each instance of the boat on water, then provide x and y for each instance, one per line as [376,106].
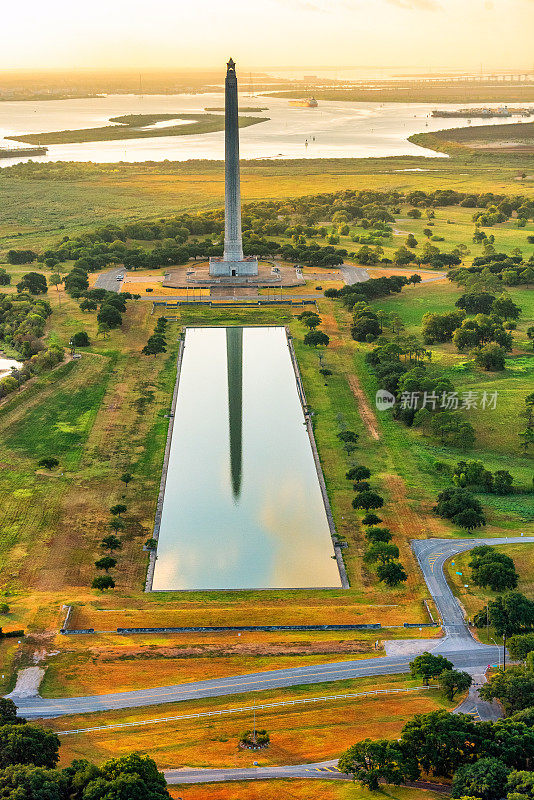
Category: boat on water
[309,102]
[15,152]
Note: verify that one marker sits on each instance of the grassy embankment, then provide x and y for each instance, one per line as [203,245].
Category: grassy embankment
[136,126]
[43,202]
[299,733]
[484,139]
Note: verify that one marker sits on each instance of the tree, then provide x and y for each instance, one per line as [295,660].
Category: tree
[505,307]
[453,681]
[485,779]
[8,713]
[316,338]
[106,562]
[371,761]
[513,688]
[378,535]
[367,500]
[371,519]
[411,241]
[383,552]
[111,543]
[151,544]
[32,282]
[118,509]
[469,519]
[453,503]
[56,280]
[312,320]
[452,430]
[49,462]
[520,785]
[103,330]
[391,573]
[493,569]
[428,666]
[126,477]
[117,524]
[441,741]
[502,482]
[509,613]
[81,339]
[521,645]
[103,582]
[491,357]
[88,305]
[28,744]
[358,473]
[28,782]
[109,315]
[129,777]
[154,346]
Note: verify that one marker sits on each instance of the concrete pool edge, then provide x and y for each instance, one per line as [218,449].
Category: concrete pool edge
[161,494]
[318,468]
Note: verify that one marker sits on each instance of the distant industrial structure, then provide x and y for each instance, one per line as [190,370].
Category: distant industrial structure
[15,152]
[483,113]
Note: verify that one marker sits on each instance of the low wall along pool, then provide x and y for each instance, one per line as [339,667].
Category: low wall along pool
[242,507]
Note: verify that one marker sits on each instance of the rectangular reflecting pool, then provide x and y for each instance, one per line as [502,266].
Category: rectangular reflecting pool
[242,507]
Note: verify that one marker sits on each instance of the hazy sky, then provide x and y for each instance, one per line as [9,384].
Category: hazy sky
[266,33]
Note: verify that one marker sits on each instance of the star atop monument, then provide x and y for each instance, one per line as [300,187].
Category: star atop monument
[231,65]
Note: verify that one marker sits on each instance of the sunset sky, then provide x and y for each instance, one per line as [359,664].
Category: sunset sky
[259,34]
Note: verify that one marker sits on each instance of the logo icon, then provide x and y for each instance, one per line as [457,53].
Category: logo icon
[384,400]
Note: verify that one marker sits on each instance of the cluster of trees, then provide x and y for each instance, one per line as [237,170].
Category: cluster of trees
[157,343]
[486,760]
[510,613]
[492,569]
[109,305]
[514,688]
[475,474]
[427,666]
[29,755]
[110,543]
[527,436]
[380,551]
[353,294]
[486,335]
[421,394]
[22,324]
[493,270]
[461,507]
[314,338]
[32,283]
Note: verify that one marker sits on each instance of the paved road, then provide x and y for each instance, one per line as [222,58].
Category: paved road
[108,280]
[353,274]
[458,645]
[320,769]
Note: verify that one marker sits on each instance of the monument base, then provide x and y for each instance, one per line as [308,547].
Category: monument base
[233,269]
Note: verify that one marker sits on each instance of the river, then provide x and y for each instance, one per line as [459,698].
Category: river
[333,130]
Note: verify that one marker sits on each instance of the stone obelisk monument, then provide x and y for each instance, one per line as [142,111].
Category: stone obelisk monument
[232,263]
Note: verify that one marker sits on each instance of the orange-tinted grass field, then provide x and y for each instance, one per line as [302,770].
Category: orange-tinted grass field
[299,733]
[295,790]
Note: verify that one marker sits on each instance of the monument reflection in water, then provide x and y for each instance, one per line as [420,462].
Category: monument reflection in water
[242,507]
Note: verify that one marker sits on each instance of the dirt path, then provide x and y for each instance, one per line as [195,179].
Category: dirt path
[366,412]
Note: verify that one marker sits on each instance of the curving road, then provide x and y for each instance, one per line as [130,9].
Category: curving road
[458,645]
